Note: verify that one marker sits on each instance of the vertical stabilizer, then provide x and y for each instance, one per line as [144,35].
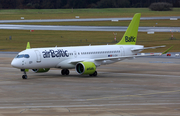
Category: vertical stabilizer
[130,35]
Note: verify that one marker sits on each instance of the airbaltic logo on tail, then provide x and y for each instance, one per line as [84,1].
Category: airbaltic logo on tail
[53,54]
[130,39]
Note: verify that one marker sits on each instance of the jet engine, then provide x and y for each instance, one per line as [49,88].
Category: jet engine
[42,70]
[85,68]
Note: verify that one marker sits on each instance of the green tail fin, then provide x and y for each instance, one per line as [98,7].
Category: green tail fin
[130,35]
[28,46]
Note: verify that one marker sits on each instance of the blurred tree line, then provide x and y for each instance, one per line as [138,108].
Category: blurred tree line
[56,4]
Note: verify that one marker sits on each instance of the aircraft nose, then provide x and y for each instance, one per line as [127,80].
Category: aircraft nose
[15,64]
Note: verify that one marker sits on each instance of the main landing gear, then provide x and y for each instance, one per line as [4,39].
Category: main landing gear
[65,72]
[94,74]
[25,75]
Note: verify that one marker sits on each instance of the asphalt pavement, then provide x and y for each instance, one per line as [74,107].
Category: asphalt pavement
[139,87]
[87,28]
[89,19]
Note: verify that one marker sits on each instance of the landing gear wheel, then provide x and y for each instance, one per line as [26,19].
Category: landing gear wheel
[24,77]
[62,72]
[65,72]
[94,74]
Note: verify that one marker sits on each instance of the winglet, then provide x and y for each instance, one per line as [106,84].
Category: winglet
[167,50]
[130,35]
[28,46]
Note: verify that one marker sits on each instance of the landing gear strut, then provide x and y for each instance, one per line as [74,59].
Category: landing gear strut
[94,74]
[25,75]
[65,72]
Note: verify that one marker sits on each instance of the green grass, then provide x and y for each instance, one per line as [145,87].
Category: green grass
[83,13]
[76,38]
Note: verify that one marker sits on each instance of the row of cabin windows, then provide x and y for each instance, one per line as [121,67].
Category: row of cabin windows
[100,52]
[70,53]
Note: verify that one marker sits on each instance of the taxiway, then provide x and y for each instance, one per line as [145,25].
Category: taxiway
[132,87]
[87,28]
[88,19]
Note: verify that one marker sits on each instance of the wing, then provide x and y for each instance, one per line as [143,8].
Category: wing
[110,58]
[122,57]
[79,60]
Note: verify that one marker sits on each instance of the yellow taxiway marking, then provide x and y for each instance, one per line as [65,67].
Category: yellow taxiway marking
[137,95]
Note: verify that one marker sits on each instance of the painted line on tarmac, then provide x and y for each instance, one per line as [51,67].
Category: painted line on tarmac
[136,74]
[76,106]
[136,95]
[130,74]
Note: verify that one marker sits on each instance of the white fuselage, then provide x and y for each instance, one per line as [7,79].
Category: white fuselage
[66,57]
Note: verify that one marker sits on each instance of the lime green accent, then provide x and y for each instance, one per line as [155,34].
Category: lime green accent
[42,70]
[130,35]
[89,67]
[28,46]
[167,50]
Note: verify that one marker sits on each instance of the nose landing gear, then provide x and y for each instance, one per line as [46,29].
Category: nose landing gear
[25,75]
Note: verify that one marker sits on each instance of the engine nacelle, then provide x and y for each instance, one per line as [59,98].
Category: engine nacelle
[41,70]
[85,67]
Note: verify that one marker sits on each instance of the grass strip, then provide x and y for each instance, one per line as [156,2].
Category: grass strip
[79,38]
[15,14]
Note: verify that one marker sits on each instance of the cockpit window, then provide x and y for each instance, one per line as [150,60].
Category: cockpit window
[26,56]
[22,56]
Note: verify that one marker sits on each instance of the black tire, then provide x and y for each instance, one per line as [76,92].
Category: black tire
[63,72]
[67,72]
[95,74]
[24,77]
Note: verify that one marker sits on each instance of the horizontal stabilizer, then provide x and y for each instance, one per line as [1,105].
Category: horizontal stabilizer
[137,49]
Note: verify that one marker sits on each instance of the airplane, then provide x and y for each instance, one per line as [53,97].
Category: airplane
[85,59]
